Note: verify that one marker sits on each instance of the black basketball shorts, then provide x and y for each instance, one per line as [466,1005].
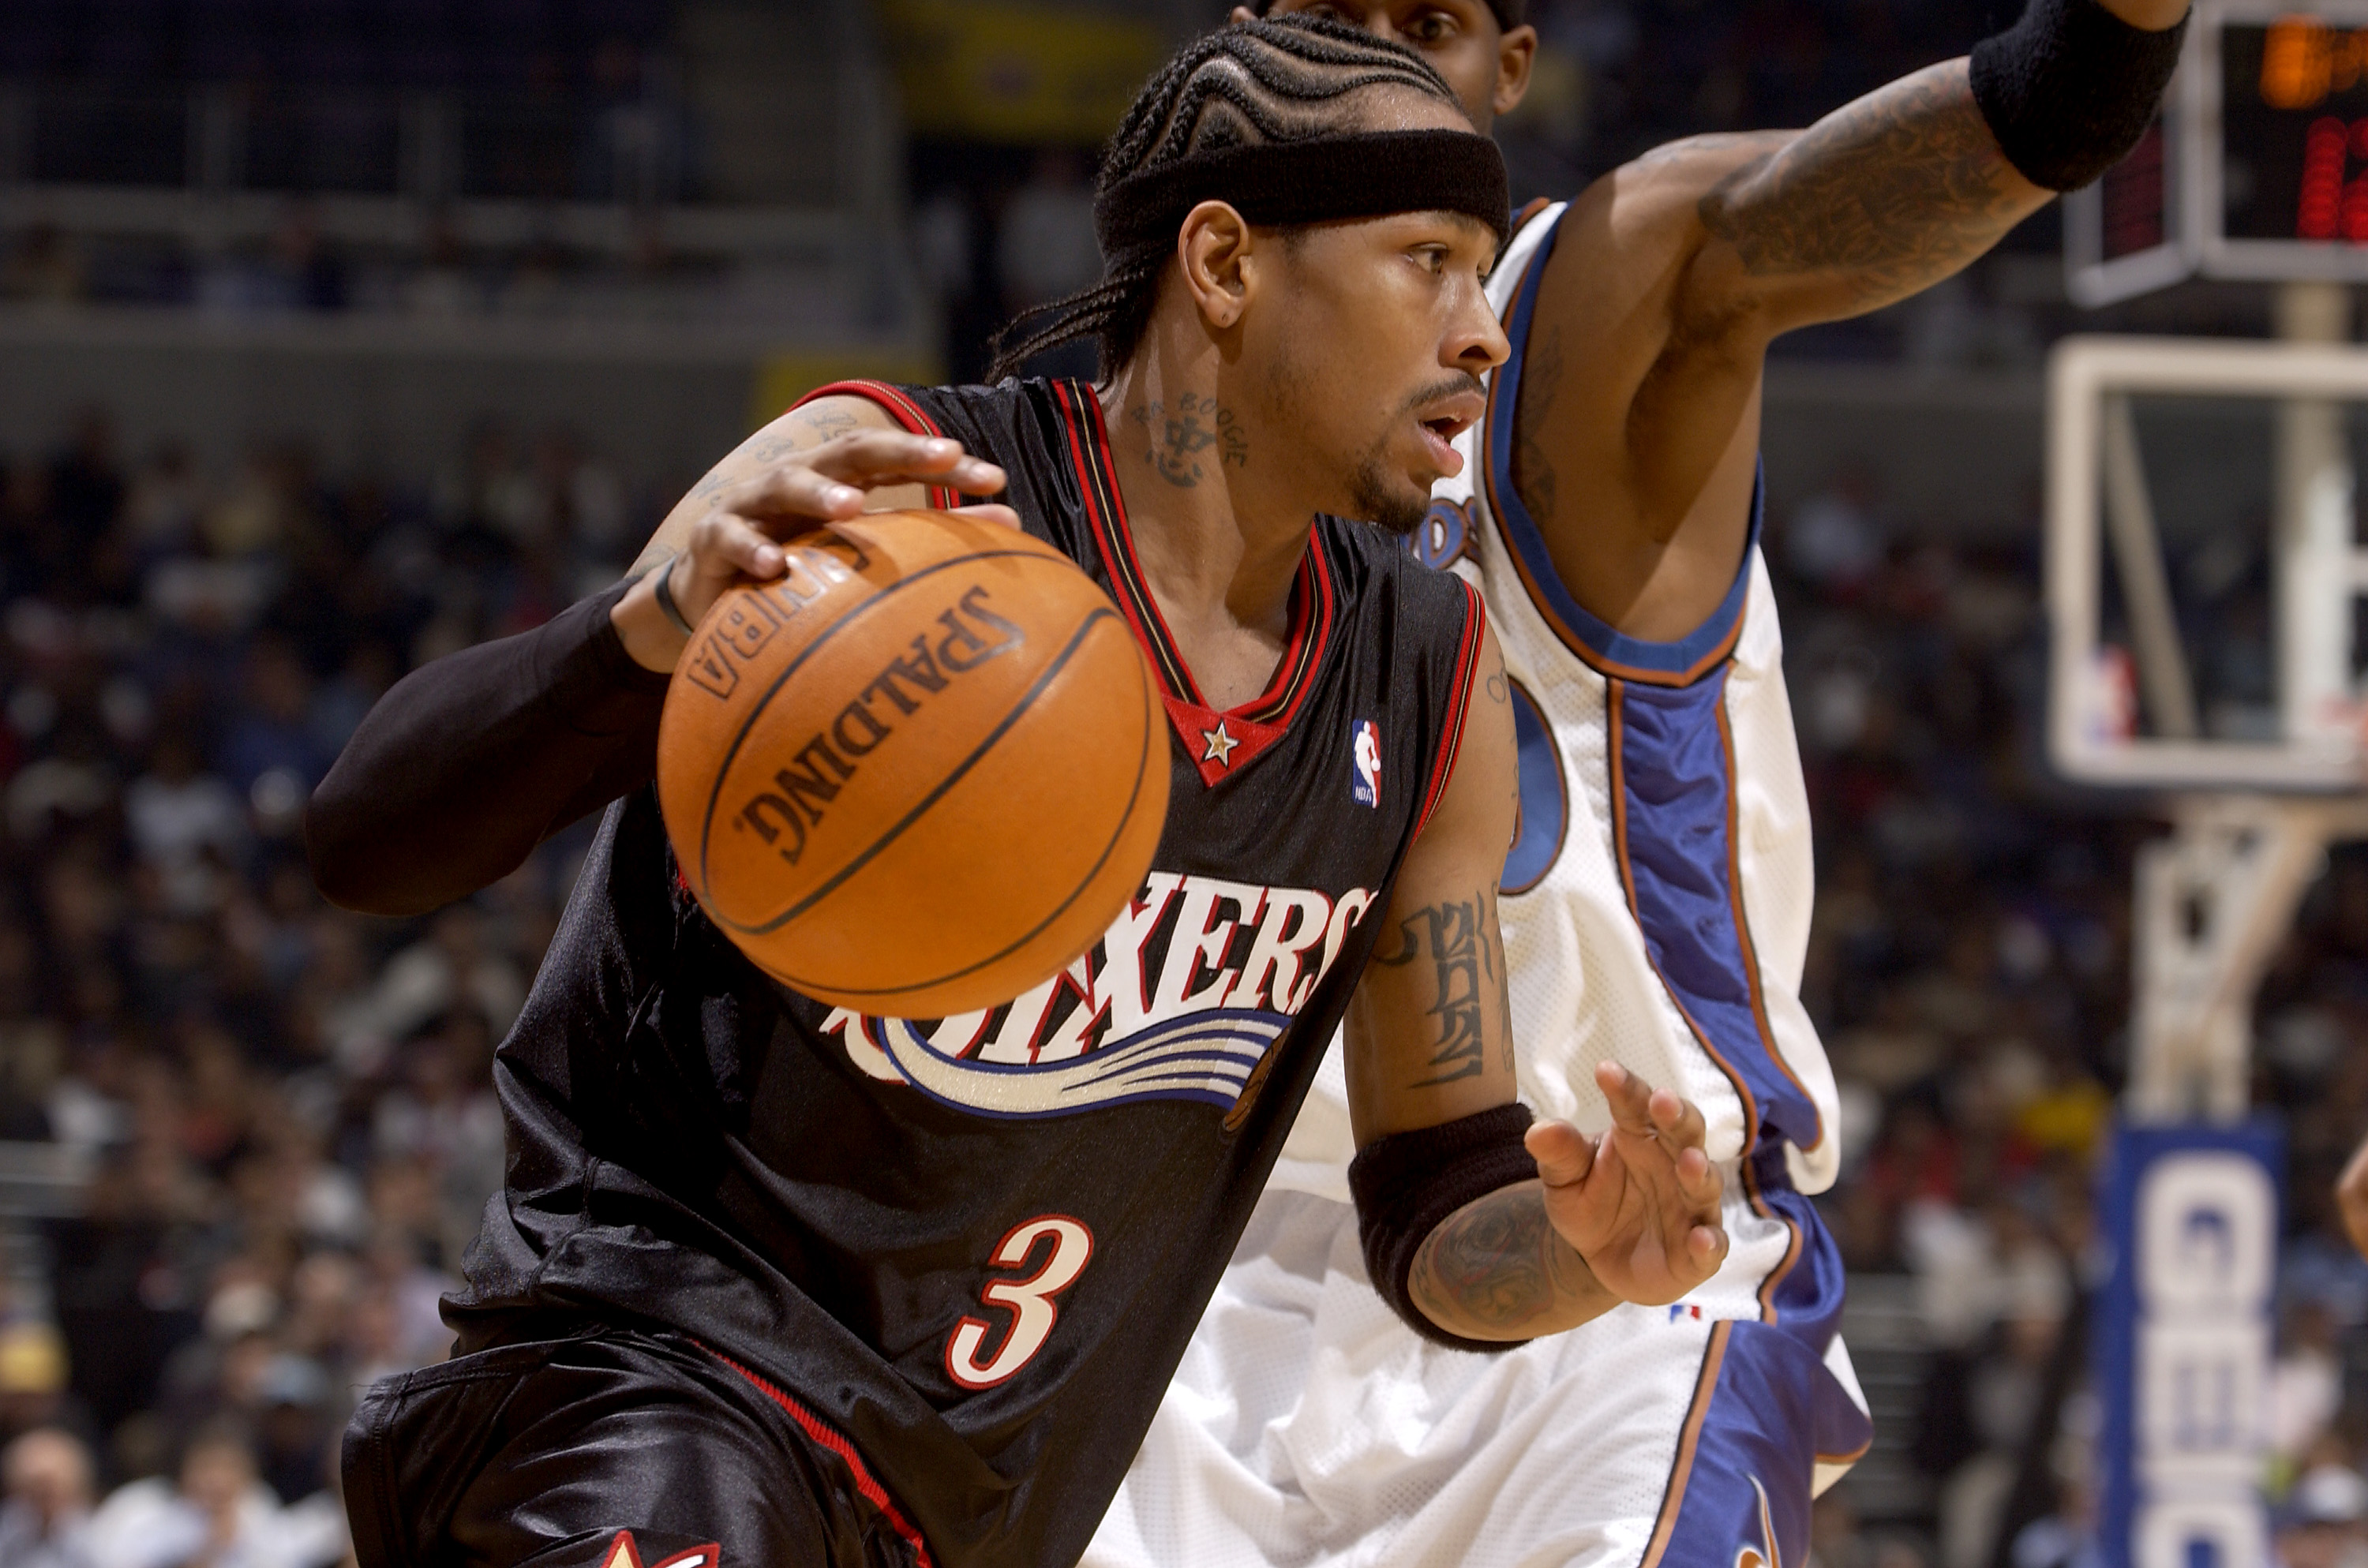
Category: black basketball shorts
[609,1449]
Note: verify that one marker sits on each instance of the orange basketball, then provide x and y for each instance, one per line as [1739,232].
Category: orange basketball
[921,772]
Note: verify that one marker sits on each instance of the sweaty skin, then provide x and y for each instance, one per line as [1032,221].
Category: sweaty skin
[1637,434]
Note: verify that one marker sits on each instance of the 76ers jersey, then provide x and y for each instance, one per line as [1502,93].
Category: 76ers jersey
[973,1248]
[1656,900]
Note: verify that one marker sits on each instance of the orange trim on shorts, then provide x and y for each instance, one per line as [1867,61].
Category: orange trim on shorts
[1689,1439]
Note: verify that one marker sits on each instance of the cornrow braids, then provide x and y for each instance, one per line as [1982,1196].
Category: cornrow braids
[1510,13]
[1244,85]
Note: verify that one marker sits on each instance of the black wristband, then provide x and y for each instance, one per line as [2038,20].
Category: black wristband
[1406,1183]
[2068,90]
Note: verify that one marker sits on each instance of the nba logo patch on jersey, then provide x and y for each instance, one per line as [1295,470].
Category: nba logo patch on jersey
[1365,763]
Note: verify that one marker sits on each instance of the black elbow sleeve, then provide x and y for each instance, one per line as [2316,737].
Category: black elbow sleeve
[1406,1183]
[2068,90]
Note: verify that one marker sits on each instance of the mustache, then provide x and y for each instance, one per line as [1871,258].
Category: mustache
[1450,386]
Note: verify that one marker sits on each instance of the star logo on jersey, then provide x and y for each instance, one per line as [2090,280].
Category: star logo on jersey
[1221,745]
[1764,1554]
[623,1553]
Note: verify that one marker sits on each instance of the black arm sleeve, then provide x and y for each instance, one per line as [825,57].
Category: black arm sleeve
[470,762]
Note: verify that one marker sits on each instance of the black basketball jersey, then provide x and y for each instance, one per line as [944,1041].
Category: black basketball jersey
[973,1249]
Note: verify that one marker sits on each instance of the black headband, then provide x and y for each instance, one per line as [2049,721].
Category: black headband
[1274,183]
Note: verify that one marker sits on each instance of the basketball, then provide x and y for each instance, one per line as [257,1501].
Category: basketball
[919,773]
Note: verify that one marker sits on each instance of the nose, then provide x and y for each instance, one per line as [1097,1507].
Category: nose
[1478,342]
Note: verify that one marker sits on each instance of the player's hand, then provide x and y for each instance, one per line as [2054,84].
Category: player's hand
[740,536]
[1639,1204]
[825,484]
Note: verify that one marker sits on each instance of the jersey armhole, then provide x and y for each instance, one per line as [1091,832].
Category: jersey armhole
[1450,740]
[909,416]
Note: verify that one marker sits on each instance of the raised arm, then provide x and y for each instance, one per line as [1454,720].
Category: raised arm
[1478,1227]
[470,762]
[1638,425]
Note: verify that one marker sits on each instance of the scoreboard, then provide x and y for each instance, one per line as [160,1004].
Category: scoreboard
[2257,168]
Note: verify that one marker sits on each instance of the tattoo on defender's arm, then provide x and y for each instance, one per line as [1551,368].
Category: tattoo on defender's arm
[1533,469]
[1454,936]
[1902,187]
[1495,1265]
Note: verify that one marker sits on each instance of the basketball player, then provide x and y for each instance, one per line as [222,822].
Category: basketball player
[776,1284]
[1655,903]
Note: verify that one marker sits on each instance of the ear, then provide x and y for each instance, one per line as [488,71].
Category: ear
[1517,53]
[1243,14]
[1217,253]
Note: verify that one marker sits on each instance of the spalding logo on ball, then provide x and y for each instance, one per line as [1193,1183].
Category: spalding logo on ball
[921,771]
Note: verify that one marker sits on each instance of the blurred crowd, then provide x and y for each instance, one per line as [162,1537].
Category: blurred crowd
[1970,968]
[272,1122]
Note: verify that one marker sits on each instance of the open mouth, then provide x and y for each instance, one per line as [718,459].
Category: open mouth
[1439,434]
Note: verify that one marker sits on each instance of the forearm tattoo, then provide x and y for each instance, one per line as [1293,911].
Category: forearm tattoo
[1467,968]
[1498,1267]
[1902,187]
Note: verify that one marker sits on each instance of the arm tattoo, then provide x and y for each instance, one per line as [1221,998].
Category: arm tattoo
[1199,431]
[812,427]
[1533,471]
[1455,938]
[1902,188]
[1497,1263]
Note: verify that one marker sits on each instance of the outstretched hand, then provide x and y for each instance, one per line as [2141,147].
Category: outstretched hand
[1641,1203]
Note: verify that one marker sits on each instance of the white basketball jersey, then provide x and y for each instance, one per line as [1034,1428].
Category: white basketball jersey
[1656,901]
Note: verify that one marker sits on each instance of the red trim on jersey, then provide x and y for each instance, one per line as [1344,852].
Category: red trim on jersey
[909,416]
[822,1432]
[1263,719]
[1467,670]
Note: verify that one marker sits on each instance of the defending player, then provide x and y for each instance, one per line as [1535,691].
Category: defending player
[1657,903]
[751,1297]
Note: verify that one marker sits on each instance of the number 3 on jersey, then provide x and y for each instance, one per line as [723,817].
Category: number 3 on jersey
[1028,1300]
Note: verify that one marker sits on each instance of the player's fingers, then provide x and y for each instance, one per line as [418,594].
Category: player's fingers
[1700,1183]
[1630,1096]
[1678,1121]
[794,494]
[1563,1153]
[724,546]
[989,512]
[872,458]
[1706,1245]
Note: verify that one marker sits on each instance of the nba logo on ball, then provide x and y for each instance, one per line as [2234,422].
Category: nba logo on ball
[1366,759]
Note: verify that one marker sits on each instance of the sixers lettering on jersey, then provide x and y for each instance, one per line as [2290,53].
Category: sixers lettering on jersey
[1180,1000]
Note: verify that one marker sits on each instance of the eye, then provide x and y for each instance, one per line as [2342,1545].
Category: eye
[1430,28]
[1432,258]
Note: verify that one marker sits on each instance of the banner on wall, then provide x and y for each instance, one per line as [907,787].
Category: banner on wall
[995,72]
[2183,1345]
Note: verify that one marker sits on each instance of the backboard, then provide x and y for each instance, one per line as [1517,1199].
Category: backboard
[2204,567]
[2256,169]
